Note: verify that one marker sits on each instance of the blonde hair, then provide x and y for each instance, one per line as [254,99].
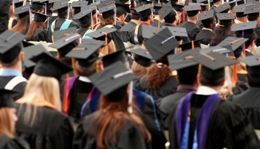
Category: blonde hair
[39,87]
[111,48]
[6,126]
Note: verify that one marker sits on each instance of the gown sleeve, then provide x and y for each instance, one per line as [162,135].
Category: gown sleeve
[17,144]
[78,142]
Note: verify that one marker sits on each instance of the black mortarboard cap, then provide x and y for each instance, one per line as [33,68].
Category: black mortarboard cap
[143,8]
[166,9]
[111,79]
[251,9]
[22,11]
[60,5]
[192,10]
[10,46]
[239,10]
[217,49]
[239,2]
[188,45]
[142,57]
[206,15]
[124,7]
[38,17]
[87,52]
[232,4]
[37,5]
[83,16]
[178,7]
[156,8]
[49,66]
[177,31]
[224,8]
[18,3]
[101,32]
[148,31]
[6,98]
[114,57]
[61,33]
[79,4]
[225,16]
[107,8]
[202,1]
[235,42]
[65,44]
[244,26]
[161,44]
[203,7]
[253,65]
[53,1]
[183,59]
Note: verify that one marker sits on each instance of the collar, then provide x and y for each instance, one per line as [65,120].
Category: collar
[248,50]
[36,102]
[54,14]
[6,72]
[145,23]
[183,87]
[207,29]
[134,21]
[84,79]
[205,90]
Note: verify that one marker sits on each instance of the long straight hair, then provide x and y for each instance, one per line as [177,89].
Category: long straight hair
[22,25]
[34,25]
[6,126]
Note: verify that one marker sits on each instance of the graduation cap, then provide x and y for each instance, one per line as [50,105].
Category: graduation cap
[84,16]
[192,10]
[114,57]
[53,1]
[22,11]
[102,32]
[107,11]
[178,7]
[224,8]
[232,3]
[189,45]
[244,26]
[86,53]
[145,2]
[253,65]
[48,66]
[209,15]
[61,33]
[37,4]
[251,9]
[161,44]
[112,81]
[156,8]
[239,2]
[165,11]
[218,49]
[142,57]
[203,7]
[6,98]
[10,45]
[38,17]
[143,8]
[60,6]
[202,1]
[213,65]
[177,31]
[183,60]
[225,16]
[148,31]
[18,3]
[65,44]
[79,4]
[123,7]
[239,10]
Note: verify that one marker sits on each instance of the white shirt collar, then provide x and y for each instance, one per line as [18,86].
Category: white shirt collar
[205,90]
[84,79]
[248,50]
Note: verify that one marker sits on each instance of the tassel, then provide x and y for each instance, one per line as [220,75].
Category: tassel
[66,96]
[73,63]
[192,44]
[235,78]
[199,68]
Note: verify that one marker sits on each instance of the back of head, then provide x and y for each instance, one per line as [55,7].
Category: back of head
[120,11]
[220,33]
[253,16]
[212,78]
[249,34]
[135,16]
[253,76]
[62,13]
[145,14]
[188,75]
[171,17]
[85,21]
[206,23]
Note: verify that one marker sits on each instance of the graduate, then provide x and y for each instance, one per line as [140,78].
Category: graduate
[122,11]
[248,100]
[240,16]
[53,14]
[204,119]
[8,119]
[191,24]
[179,10]
[169,15]
[37,30]
[37,6]
[77,8]
[39,110]
[208,21]
[116,123]
[11,59]
[23,22]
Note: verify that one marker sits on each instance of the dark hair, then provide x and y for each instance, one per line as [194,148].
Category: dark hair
[253,77]
[85,22]
[206,23]
[120,11]
[62,13]
[86,71]
[252,16]
[188,75]
[171,17]
[135,16]
[34,25]
[212,78]
[249,34]
[145,15]
[221,32]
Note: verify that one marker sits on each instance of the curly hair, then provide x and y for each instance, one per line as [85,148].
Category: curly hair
[156,76]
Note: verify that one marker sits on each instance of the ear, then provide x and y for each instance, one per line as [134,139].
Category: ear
[21,56]
[58,56]
[198,79]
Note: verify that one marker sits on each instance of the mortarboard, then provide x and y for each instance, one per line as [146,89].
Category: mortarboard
[253,65]
[188,45]
[79,4]
[53,1]
[38,17]
[183,59]
[112,81]
[102,32]
[177,31]
[10,46]
[60,6]
[87,52]
[192,10]
[142,57]
[239,2]
[251,9]
[148,31]
[235,42]
[6,98]
[222,8]
[124,7]
[232,3]
[107,8]
[84,16]
[239,10]
[203,7]
[22,11]
[49,66]
[156,8]
[161,44]
[225,16]
[114,57]
[178,7]
[165,11]
[244,26]
[217,49]
[37,4]
[61,33]
[18,3]
[143,8]
[65,44]
[206,15]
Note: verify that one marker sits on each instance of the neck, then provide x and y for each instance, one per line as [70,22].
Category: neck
[193,21]
[250,48]
[17,67]
[216,88]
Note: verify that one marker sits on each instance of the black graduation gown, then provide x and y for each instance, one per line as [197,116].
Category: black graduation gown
[228,127]
[4,11]
[129,136]
[250,102]
[19,88]
[139,34]
[168,88]
[204,36]
[192,29]
[82,31]
[51,129]
[51,19]
[119,25]
[40,35]
[257,31]
[9,143]
[127,35]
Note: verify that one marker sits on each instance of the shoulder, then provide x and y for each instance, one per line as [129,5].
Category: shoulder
[171,83]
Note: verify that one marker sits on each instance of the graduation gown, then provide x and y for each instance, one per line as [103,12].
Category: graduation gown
[82,31]
[40,35]
[9,143]
[50,130]
[129,136]
[257,31]
[127,31]
[51,19]
[168,88]
[228,126]
[205,36]
[4,11]
[139,33]
[192,29]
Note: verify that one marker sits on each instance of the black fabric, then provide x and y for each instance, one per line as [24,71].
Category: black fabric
[229,126]
[192,29]
[204,36]
[40,35]
[4,11]
[50,130]
[129,136]
[169,87]
[128,35]
[241,77]
[257,31]
[9,143]
[240,87]
[139,35]
[82,31]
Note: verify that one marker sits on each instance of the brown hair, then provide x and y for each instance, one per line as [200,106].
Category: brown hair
[5,120]
[157,76]
[139,70]
[11,12]
[113,118]
[86,71]
[21,25]
[107,21]
[34,25]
